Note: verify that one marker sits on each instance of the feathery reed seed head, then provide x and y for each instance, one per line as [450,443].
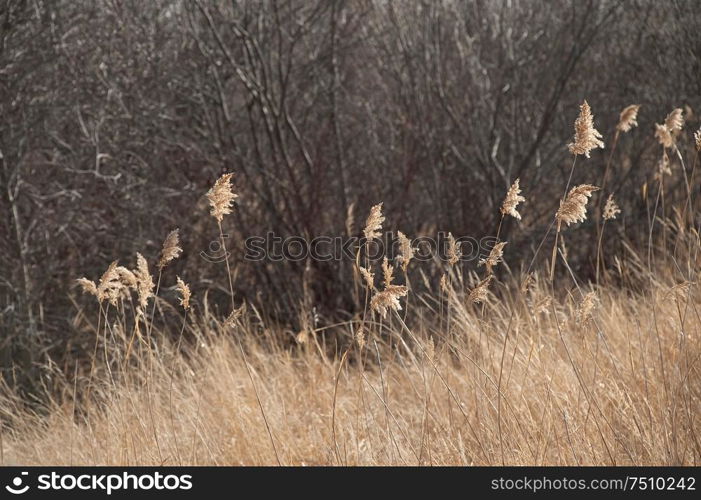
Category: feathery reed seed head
[368,276]
[574,207]
[611,209]
[664,135]
[144,280]
[387,272]
[586,137]
[171,249]
[184,291]
[675,120]
[89,287]
[454,252]
[388,299]
[513,198]
[373,225]
[406,251]
[628,118]
[494,257]
[480,292]
[221,197]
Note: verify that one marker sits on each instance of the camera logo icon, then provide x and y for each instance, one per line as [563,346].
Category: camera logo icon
[16,488]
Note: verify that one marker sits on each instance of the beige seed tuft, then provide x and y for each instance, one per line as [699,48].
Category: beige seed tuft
[664,135]
[574,207]
[144,280]
[513,198]
[454,252]
[89,287]
[184,291]
[675,121]
[368,276]
[611,209]
[373,225]
[628,118]
[586,137]
[387,272]
[494,257]
[479,293]
[221,197]
[171,249]
[406,251]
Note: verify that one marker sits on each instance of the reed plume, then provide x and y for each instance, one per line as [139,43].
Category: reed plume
[675,121]
[368,277]
[611,209]
[388,299]
[387,272]
[89,287]
[406,251]
[454,253]
[144,280]
[586,137]
[628,118]
[574,208]
[221,197]
[664,135]
[184,291]
[171,249]
[480,292]
[494,257]
[373,225]
[513,198]
[110,286]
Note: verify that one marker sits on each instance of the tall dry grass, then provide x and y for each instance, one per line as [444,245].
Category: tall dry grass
[618,386]
[496,366]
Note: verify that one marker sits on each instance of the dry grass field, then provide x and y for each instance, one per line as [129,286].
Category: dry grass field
[504,362]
